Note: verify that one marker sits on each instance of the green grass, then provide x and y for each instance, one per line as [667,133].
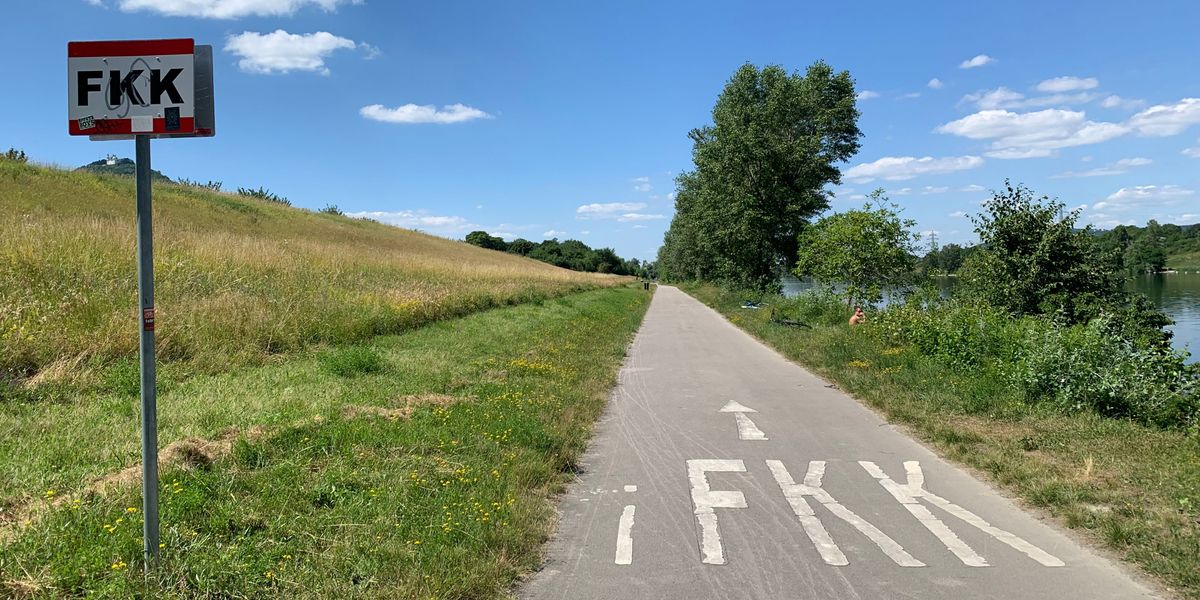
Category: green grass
[1131,488]
[239,281]
[420,465]
[1187,261]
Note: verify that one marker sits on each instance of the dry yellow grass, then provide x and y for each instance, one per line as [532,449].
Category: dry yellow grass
[238,279]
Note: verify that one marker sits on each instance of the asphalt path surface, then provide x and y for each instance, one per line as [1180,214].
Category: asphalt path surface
[722,470]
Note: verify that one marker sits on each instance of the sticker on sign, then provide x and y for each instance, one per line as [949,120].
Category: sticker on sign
[124,88]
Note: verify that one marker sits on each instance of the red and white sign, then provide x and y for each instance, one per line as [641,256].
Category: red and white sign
[134,87]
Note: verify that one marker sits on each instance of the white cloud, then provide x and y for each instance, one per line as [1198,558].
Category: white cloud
[610,210]
[1034,134]
[1117,168]
[1067,84]
[996,98]
[553,233]
[632,217]
[671,196]
[226,9]
[428,113]
[1115,101]
[972,188]
[897,168]
[1167,119]
[639,226]
[641,184]
[866,95]
[370,52]
[1003,97]
[1143,197]
[935,84]
[1191,152]
[958,214]
[910,95]
[925,191]
[420,219]
[978,61]
[281,52]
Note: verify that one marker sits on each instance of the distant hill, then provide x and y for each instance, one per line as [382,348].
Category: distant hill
[120,166]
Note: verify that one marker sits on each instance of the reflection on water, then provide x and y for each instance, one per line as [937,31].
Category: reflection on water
[1177,295]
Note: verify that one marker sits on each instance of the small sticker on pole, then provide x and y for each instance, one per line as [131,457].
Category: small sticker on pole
[148,318]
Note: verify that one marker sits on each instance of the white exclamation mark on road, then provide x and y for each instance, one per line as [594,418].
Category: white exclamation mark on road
[625,537]
[747,430]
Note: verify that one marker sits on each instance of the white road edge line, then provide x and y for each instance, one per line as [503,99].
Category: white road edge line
[828,549]
[625,537]
[704,500]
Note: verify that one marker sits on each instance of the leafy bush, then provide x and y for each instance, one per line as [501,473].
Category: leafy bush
[1032,260]
[1085,367]
[332,209]
[213,186]
[15,155]
[960,334]
[1094,366]
[813,308]
[351,361]
[263,193]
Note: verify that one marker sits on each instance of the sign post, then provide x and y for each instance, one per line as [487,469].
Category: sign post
[120,90]
[145,267]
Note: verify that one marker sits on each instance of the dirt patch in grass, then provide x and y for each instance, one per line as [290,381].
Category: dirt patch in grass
[401,409]
[189,453]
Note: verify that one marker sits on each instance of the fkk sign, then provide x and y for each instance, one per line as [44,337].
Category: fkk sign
[131,88]
[141,90]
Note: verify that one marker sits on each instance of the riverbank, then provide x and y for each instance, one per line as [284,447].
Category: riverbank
[405,466]
[1130,488]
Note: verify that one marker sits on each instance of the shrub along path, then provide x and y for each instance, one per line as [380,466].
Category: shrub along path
[1132,488]
[410,466]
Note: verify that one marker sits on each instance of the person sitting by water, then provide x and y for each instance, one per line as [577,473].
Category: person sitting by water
[858,317]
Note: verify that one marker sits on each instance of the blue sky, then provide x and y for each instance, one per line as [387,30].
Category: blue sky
[569,119]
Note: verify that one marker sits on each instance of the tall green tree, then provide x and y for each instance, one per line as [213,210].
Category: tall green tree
[859,253]
[1033,260]
[760,173]
[1145,253]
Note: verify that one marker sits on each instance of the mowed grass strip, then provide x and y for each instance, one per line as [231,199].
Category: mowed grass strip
[238,280]
[1131,488]
[416,466]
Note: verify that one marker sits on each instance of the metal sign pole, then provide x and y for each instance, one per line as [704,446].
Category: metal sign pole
[145,247]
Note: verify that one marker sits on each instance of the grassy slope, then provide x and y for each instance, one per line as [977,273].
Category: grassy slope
[1185,261]
[1133,489]
[453,502]
[238,279]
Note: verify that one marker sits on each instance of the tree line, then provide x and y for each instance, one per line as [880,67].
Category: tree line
[1133,249]
[568,254]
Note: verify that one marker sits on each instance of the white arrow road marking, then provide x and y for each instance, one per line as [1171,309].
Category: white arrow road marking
[705,500]
[734,407]
[830,553]
[625,537]
[747,430]
[914,489]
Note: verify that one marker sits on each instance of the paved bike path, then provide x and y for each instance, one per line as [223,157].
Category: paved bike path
[722,470]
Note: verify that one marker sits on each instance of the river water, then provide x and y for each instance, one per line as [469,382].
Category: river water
[1176,294]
